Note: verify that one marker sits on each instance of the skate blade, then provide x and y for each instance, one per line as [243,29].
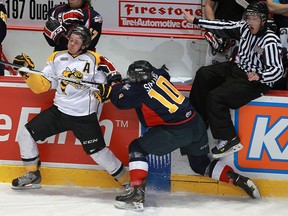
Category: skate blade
[256,192]
[27,187]
[235,148]
[135,206]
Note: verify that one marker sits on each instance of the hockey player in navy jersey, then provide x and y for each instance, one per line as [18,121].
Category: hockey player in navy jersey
[171,123]
[63,18]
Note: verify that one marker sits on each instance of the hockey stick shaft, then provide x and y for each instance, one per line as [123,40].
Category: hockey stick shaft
[242,3]
[66,79]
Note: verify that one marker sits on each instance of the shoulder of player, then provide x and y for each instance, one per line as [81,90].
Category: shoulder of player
[93,14]
[139,89]
[271,37]
[94,56]
[130,87]
[161,72]
[58,55]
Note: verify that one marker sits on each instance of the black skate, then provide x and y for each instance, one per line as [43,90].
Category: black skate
[133,199]
[225,147]
[246,184]
[30,180]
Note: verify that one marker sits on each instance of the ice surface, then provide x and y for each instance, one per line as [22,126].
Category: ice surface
[83,201]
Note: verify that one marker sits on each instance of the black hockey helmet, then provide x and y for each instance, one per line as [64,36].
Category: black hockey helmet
[140,71]
[258,8]
[83,32]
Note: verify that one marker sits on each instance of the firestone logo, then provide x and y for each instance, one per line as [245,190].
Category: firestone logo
[162,15]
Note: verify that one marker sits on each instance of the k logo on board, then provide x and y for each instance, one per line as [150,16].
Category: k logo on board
[263,130]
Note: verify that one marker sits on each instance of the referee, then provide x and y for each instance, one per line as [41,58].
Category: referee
[229,85]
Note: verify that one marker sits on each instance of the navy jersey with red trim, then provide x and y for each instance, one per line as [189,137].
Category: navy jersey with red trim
[157,102]
[3,19]
[92,20]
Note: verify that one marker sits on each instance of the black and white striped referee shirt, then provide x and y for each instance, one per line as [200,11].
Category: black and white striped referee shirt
[260,53]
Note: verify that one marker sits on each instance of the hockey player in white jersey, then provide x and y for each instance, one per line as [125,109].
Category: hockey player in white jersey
[75,108]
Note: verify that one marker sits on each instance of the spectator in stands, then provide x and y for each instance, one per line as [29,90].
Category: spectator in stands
[171,123]
[220,49]
[63,18]
[279,9]
[230,85]
[3,30]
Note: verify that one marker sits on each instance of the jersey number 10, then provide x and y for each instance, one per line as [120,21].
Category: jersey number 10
[170,91]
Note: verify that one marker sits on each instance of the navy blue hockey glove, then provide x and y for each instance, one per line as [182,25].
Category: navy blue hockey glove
[103,92]
[73,17]
[114,77]
[53,29]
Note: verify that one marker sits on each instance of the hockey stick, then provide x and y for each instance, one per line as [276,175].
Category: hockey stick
[87,84]
[242,3]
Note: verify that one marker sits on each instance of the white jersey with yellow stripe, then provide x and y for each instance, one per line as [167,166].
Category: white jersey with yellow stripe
[73,99]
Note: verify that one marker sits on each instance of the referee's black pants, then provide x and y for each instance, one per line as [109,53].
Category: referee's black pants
[217,89]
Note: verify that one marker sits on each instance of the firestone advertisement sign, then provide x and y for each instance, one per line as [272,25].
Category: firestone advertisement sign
[118,15]
[156,15]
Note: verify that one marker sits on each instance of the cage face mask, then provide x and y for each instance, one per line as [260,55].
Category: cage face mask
[259,9]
